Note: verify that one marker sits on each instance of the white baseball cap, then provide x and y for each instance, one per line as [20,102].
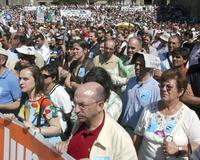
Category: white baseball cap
[26,50]
[165,36]
[3,52]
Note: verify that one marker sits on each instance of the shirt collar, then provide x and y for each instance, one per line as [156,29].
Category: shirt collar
[144,82]
[110,60]
[4,74]
[94,132]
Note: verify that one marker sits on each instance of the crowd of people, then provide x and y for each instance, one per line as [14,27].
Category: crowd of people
[118,84]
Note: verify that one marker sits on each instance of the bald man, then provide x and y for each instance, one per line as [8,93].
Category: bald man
[111,63]
[96,135]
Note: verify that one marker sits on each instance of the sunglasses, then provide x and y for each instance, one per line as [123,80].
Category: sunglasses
[22,57]
[46,76]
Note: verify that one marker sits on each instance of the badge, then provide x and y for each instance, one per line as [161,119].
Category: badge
[102,158]
[81,72]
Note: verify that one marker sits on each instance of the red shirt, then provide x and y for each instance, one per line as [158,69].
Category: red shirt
[81,142]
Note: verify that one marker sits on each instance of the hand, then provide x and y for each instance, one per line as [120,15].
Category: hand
[9,116]
[61,147]
[62,72]
[68,81]
[28,125]
[157,73]
[170,148]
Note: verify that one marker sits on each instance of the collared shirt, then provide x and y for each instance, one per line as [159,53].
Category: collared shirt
[166,61]
[113,67]
[12,59]
[136,97]
[94,50]
[9,88]
[82,141]
[113,142]
[44,51]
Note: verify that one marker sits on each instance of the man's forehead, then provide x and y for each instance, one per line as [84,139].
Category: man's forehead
[133,43]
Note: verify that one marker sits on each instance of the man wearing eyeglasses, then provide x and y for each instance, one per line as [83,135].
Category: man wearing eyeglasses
[96,135]
[111,63]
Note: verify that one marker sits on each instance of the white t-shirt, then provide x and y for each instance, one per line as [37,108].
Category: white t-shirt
[44,51]
[183,126]
[61,100]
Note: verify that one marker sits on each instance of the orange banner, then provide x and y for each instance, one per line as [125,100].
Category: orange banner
[18,144]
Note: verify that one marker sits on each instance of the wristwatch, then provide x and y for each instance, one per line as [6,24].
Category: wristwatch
[180,149]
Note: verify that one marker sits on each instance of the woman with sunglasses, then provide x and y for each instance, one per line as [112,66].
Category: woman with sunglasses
[167,128]
[59,97]
[37,111]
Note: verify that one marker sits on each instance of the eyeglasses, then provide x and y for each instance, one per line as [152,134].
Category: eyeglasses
[168,86]
[22,57]
[46,76]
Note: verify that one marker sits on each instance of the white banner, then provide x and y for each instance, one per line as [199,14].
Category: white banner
[76,13]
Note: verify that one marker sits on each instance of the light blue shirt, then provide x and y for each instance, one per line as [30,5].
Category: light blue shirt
[136,96]
[165,61]
[9,88]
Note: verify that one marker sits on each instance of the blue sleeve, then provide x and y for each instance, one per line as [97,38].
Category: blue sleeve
[15,88]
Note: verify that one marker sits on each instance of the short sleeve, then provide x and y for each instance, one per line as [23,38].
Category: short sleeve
[64,101]
[140,128]
[15,88]
[194,128]
[49,109]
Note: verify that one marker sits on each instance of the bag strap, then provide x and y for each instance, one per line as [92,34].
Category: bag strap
[189,150]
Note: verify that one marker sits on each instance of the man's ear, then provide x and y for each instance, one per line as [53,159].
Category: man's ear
[100,105]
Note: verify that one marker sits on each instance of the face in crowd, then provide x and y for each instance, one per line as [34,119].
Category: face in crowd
[78,51]
[27,81]
[173,43]
[172,85]
[88,104]
[134,46]
[109,49]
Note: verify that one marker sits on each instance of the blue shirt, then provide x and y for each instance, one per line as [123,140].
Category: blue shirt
[166,61]
[136,96]
[9,88]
